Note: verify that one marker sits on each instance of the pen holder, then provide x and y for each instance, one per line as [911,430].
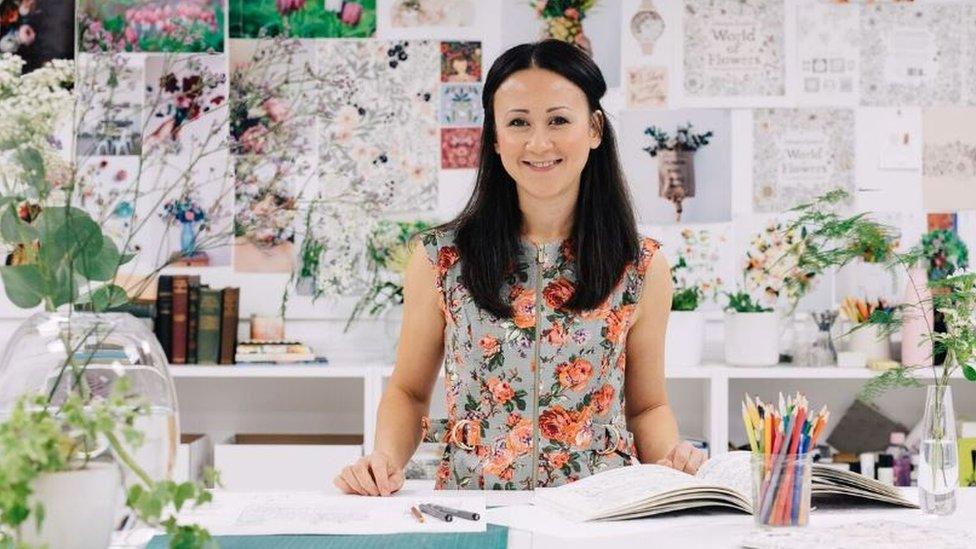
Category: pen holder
[781,489]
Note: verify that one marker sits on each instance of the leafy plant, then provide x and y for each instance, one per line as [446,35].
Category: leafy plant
[685,297]
[39,438]
[683,140]
[387,252]
[945,253]
[830,240]
[61,254]
[742,302]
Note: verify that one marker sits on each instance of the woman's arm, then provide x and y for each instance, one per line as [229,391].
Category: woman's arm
[648,415]
[406,398]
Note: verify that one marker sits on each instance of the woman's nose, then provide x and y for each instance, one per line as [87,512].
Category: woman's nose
[539,141]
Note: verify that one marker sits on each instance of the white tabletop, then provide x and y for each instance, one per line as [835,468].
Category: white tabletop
[537,527]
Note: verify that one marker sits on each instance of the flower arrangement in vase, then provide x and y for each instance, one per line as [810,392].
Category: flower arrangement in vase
[187,212]
[563,20]
[676,166]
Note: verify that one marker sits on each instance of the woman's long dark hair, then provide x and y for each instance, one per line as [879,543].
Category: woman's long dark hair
[488,229]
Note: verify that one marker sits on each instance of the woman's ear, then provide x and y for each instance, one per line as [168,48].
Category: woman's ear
[596,129]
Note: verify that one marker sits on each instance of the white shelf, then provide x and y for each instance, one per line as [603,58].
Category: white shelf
[354,369]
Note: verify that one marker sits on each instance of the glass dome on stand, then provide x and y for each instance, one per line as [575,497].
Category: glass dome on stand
[55,353]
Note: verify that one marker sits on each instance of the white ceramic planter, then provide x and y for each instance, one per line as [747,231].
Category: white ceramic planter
[79,507]
[752,339]
[685,339]
[870,341]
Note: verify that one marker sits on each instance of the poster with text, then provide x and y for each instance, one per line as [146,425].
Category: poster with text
[799,154]
[734,49]
[913,54]
[827,53]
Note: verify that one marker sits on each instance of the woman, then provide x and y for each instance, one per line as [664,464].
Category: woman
[543,267]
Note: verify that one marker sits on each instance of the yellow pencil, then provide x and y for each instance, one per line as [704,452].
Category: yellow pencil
[767,436]
[749,433]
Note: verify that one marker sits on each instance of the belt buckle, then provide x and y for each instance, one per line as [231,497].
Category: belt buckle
[615,438]
[458,441]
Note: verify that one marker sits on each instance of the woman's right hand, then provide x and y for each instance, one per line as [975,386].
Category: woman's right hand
[372,475]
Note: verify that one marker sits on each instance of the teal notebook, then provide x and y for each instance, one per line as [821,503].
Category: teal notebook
[495,538]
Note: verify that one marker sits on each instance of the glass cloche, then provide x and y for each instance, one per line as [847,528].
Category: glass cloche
[48,347]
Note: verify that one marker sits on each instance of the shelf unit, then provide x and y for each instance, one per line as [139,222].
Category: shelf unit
[709,393]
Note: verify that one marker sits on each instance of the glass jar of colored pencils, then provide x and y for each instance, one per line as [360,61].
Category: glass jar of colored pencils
[781,488]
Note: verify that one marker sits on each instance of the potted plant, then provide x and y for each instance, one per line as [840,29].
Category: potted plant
[685,338]
[694,281]
[751,332]
[676,162]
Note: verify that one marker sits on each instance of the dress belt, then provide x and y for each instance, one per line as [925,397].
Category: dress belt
[605,436]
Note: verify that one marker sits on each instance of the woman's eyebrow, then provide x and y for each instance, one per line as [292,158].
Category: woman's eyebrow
[550,109]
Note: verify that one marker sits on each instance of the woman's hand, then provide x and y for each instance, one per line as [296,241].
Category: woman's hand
[683,457]
[372,475]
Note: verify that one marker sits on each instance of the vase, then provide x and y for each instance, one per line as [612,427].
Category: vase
[188,240]
[821,351]
[392,323]
[54,354]
[676,177]
[916,345]
[871,341]
[79,507]
[752,339]
[938,466]
[685,339]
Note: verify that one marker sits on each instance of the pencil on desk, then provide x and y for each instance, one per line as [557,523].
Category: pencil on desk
[417,514]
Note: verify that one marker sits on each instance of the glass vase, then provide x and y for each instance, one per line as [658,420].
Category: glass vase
[821,351]
[56,354]
[938,467]
[188,240]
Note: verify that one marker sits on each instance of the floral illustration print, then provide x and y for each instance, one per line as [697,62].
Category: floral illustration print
[534,400]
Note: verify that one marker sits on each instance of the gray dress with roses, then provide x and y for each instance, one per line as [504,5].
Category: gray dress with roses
[512,425]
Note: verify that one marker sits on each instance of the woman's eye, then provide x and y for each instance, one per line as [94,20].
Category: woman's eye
[559,120]
[518,122]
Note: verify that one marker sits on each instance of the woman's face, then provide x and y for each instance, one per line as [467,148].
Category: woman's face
[545,131]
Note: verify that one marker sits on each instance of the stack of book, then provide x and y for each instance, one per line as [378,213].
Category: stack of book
[274,351]
[196,324]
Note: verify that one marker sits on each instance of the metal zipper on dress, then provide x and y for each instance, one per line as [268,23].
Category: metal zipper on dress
[541,257]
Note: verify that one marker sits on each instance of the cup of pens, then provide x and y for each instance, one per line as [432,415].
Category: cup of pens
[781,438]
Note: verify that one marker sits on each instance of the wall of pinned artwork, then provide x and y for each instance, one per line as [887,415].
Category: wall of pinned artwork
[381,104]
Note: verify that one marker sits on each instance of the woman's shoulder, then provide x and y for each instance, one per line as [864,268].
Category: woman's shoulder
[438,245]
[648,249]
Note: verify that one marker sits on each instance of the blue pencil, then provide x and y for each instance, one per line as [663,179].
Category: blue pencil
[804,441]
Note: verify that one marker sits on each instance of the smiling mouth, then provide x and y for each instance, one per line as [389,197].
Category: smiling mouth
[542,165]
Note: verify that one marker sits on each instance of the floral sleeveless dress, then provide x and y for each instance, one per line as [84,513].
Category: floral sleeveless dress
[535,400]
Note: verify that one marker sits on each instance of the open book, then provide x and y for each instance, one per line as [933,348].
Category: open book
[723,481]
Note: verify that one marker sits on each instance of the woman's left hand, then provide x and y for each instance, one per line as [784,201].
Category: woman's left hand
[683,457]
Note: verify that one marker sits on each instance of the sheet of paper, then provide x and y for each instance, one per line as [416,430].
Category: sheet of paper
[884,534]
[269,513]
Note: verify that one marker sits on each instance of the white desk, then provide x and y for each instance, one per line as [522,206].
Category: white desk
[534,527]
